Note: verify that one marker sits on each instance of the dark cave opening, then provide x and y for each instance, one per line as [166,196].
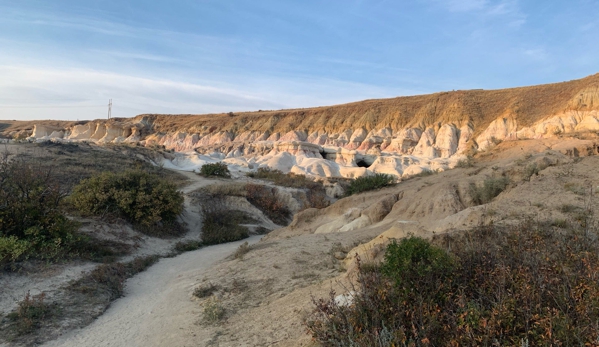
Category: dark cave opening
[362,163]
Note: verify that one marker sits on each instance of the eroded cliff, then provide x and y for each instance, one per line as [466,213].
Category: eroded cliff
[401,136]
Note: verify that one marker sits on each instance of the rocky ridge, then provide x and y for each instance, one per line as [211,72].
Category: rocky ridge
[402,136]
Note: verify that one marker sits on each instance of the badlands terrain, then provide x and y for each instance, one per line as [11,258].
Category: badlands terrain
[542,139]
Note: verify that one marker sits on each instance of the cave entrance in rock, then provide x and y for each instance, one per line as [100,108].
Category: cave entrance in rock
[362,163]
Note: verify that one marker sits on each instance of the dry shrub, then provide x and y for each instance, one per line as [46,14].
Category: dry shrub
[110,278]
[242,250]
[316,196]
[316,199]
[266,199]
[214,311]
[491,187]
[285,180]
[206,290]
[220,190]
[31,313]
[505,286]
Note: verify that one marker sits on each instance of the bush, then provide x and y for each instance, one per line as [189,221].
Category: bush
[32,311]
[31,220]
[223,225]
[186,246]
[466,162]
[414,256]
[490,188]
[214,311]
[206,290]
[266,199]
[242,250]
[215,170]
[140,197]
[510,286]
[362,184]
[315,195]
[110,278]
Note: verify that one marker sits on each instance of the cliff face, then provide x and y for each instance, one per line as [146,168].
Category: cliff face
[388,135]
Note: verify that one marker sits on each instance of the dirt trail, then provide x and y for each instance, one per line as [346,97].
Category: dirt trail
[156,309]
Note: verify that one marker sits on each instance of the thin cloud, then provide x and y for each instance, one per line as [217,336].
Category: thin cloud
[137,56]
[134,95]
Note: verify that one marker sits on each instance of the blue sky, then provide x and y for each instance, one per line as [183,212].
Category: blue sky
[63,59]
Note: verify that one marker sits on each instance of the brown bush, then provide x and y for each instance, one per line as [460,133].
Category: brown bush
[265,198]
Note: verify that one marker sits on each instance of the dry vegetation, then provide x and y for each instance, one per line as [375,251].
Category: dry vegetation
[532,284]
[527,104]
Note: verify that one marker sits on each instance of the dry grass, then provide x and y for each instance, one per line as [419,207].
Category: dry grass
[483,106]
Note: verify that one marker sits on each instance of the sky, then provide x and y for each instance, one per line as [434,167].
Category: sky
[64,59]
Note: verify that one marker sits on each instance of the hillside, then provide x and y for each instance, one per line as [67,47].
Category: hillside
[521,154]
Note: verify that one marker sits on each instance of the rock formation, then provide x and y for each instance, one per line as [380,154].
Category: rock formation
[401,136]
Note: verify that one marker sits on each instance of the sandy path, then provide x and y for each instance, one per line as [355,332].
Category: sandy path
[156,309]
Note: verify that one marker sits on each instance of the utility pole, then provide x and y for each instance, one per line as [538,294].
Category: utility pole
[109,108]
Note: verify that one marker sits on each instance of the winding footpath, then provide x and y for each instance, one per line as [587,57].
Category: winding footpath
[156,309]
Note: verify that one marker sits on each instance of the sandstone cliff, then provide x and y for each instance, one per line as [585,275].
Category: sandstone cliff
[401,136]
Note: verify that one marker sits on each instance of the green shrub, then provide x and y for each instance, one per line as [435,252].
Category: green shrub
[490,188]
[414,256]
[215,170]
[223,225]
[13,249]
[186,246]
[362,184]
[31,220]
[140,197]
